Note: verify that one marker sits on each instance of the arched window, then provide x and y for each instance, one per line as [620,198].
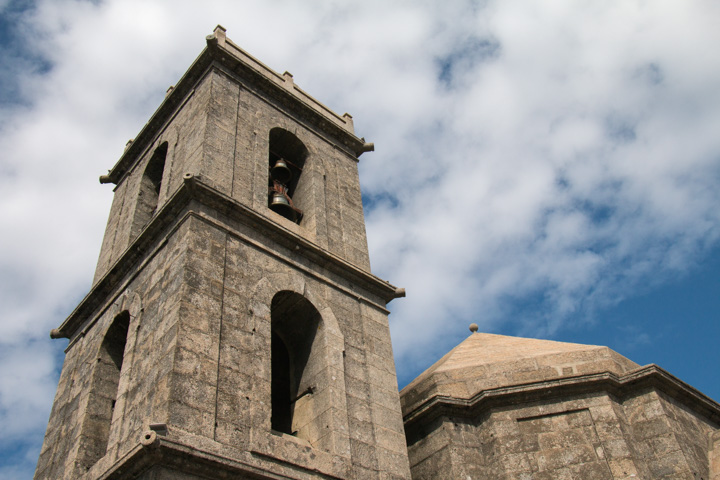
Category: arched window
[150,189]
[285,163]
[104,389]
[295,364]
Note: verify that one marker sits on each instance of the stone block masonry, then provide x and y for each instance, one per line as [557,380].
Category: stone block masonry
[215,339]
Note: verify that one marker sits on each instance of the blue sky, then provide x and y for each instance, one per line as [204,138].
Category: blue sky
[545,170]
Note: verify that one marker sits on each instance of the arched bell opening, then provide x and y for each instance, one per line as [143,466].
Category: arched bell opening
[104,389]
[286,160]
[149,193]
[295,362]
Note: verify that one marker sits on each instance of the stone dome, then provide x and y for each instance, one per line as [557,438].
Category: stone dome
[485,361]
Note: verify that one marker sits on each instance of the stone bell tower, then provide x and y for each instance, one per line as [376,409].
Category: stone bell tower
[233,329]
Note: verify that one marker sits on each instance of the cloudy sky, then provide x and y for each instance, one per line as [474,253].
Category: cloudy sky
[546,169]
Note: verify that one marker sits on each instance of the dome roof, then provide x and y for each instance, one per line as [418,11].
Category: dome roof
[485,361]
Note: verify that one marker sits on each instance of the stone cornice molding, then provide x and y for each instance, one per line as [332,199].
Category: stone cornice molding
[224,55]
[173,214]
[214,459]
[621,386]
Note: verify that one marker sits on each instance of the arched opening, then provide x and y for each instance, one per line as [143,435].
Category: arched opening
[150,189]
[286,160]
[103,393]
[295,363]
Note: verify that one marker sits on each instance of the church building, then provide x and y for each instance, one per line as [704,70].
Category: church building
[234,329]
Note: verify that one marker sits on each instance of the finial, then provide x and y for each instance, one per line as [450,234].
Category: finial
[473,327]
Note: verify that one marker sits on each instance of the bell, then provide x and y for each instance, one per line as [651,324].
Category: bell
[281,172]
[280,204]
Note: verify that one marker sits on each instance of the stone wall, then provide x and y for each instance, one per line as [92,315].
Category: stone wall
[197,277]
[143,389]
[197,359]
[220,134]
[670,439]
[596,436]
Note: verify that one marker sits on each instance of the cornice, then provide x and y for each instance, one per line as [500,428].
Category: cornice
[170,216]
[621,386]
[222,54]
[156,450]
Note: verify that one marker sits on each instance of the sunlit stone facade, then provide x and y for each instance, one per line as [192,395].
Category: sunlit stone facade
[234,330]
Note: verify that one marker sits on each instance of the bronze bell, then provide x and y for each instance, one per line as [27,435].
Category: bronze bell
[280,204]
[281,172]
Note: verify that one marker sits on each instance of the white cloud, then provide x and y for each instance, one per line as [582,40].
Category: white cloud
[544,158]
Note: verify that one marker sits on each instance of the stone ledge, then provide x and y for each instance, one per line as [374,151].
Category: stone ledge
[220,53]
[282,449]
[649,376]
[155,235]
[155,451]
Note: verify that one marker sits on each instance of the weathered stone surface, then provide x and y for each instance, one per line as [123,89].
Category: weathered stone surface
[200,266]
[202,294]
[507,408]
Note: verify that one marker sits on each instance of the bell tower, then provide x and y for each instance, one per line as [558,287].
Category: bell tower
[233,329]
